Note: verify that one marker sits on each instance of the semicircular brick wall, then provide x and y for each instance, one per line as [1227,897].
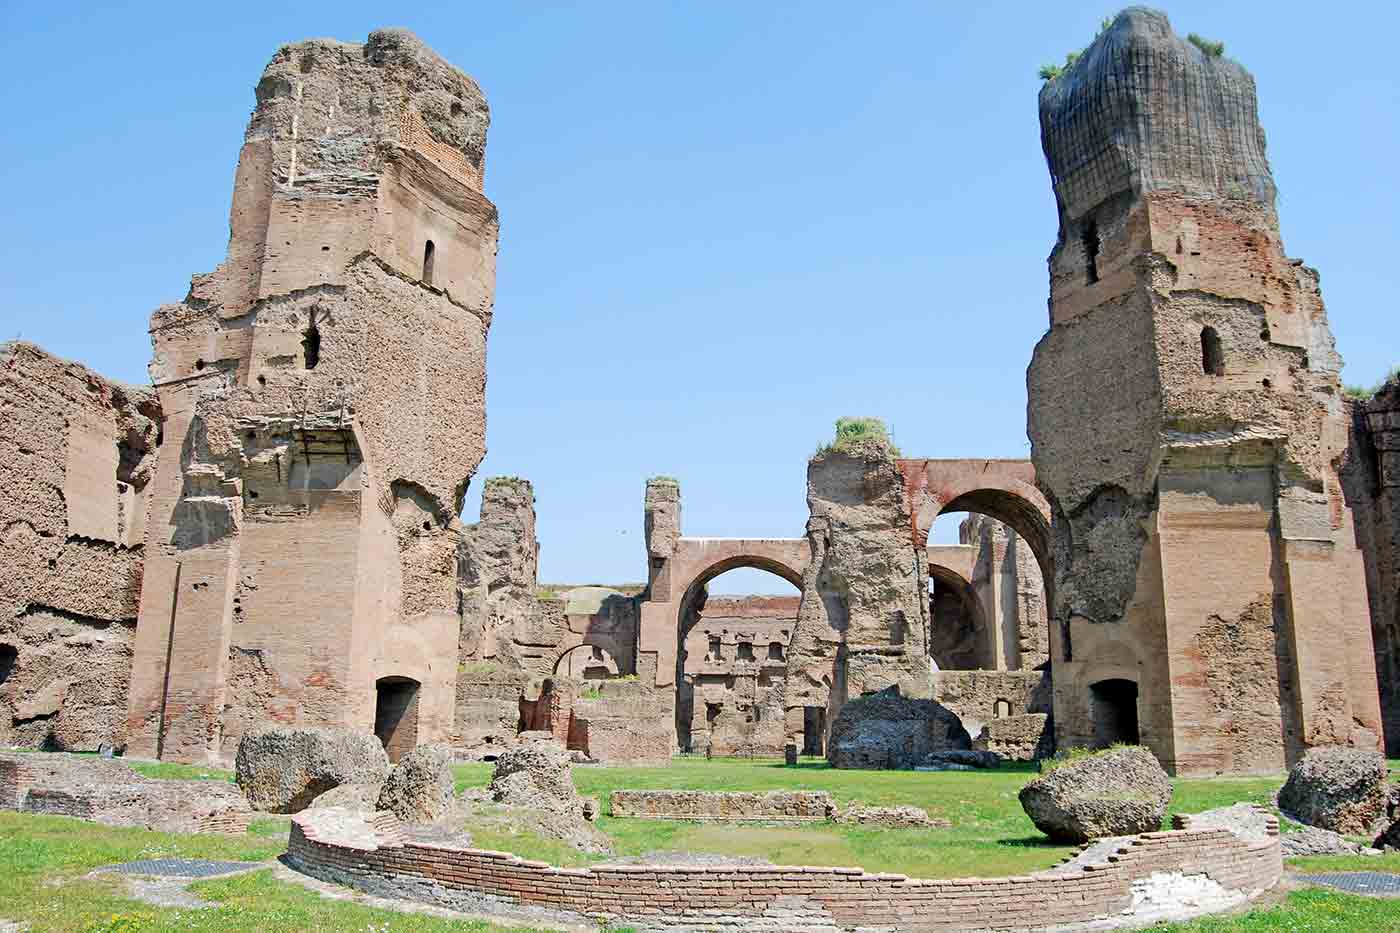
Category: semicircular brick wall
[1155,875]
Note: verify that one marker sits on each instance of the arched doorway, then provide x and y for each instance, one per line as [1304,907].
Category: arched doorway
[1114,711]
[959,636]
[733,633]
[396,714]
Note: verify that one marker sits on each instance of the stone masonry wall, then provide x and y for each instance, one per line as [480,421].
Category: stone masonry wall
[653,897]
[77,453]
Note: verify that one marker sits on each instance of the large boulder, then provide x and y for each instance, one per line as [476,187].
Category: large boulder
[284,768]
[532,790]
[1337,788]
[419,788]
[1116,792]
[884,729]
[536,774]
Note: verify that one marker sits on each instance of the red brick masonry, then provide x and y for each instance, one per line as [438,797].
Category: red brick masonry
[653,896]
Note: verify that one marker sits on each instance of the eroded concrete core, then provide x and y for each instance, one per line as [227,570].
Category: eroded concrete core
[1187,426]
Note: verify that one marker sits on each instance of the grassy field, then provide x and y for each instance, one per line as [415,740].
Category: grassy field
[990,835]
[44,861]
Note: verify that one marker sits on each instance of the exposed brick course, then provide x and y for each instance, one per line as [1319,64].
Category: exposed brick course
[651,896]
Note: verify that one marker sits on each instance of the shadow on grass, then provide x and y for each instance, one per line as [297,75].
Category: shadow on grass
[1030,842]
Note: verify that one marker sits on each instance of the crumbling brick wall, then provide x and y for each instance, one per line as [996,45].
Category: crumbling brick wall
[326,388]
[1187,425]
[77,453]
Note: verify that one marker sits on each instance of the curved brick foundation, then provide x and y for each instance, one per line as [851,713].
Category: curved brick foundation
[1153,876]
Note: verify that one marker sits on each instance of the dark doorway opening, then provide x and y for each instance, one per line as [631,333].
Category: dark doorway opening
[429,254]
[1113,705]
[1212,354]
[396,715]
[814,730]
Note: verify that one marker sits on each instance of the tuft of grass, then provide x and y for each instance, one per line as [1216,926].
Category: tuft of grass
[663,480]
[1211,48]
[855,432]
[1051,71]
[174,771]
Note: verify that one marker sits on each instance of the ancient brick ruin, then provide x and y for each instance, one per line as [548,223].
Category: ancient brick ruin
[1187,426]
[271,532]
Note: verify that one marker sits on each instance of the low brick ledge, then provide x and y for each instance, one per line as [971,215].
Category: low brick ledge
[659,896]
[775,806]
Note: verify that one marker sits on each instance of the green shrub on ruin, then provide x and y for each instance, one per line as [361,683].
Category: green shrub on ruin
[1212,48]
[854,432]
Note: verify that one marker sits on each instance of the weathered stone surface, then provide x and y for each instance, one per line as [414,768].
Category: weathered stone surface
[77,452]
[419,788]
[1341,789]
[534,791]
[865,590]
[357,798]
[283,769]
[859,814]
[1312,840]
[1185,412]
[888,730]
[536,774]
[1116,792]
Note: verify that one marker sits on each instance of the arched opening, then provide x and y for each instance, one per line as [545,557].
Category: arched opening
[1113,708]
[959,638]
[587,662]
[992,613]
[1212,355]
[396,714]
[736,621]
[1001,709]
[429,253]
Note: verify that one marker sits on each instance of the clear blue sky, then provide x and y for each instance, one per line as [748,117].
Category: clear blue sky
[722,225]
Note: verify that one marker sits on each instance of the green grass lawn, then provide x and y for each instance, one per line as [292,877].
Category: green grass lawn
[43,859]
[990,833]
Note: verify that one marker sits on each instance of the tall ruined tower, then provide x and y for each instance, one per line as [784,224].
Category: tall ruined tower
[1187,423]
[323,392]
